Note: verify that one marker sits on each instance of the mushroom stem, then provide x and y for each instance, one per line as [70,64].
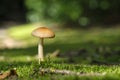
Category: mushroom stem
[40,50]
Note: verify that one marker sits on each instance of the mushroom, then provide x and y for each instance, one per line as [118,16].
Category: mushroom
[42,32]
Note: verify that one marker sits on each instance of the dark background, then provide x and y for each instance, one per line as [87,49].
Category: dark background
[13,11]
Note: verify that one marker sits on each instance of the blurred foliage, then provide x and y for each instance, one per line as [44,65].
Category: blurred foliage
[80,12]
[70,12]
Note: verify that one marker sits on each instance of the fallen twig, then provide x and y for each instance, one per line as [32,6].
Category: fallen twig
[54,54]
[67,72]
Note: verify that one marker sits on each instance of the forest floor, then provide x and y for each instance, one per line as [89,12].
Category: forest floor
[89,53]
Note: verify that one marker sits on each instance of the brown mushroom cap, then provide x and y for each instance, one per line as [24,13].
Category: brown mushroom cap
[43,32]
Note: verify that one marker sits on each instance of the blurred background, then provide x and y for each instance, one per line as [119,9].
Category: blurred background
[87,31]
